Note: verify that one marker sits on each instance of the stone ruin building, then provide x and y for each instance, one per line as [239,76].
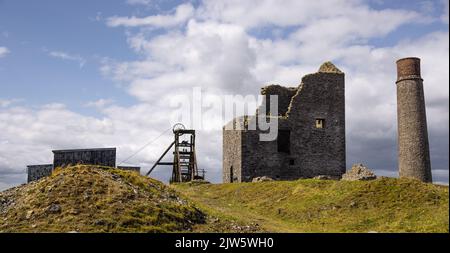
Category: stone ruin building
[311,133]
[64,158]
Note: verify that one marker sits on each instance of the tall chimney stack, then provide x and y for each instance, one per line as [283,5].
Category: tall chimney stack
[413,148]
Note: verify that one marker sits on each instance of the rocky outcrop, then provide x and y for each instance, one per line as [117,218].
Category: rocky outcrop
[261,179]
[359,172]
[329,67]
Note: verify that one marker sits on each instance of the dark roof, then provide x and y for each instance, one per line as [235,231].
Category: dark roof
[36,165]
[82,150]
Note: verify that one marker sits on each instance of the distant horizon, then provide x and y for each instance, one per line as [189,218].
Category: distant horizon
[77,75]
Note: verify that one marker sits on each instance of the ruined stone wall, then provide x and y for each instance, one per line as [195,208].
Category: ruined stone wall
[319,151]
[101,156]
[312,151]
[36,172]
[413,146]
[284,94]
[261,158]
[232,156]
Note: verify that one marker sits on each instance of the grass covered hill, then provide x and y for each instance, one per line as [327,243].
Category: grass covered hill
[311,205]
[103,199]
[95,199]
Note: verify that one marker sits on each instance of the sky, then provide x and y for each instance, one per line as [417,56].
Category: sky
[78,74]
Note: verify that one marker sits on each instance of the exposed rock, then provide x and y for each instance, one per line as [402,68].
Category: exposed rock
[262,179]
[359,172]
[74,211]
[336,207]
[326,177]
[328,67]
[29,214]
[100,222]
[54,208]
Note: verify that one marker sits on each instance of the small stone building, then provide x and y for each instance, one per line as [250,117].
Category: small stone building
[96,156]
[311,133]
[36,172]
[64,158]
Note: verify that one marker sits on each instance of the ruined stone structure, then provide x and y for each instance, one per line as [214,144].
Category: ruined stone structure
[311,133]
[413,147]
[36,172]
[63,158]
[98,156]
[359,172]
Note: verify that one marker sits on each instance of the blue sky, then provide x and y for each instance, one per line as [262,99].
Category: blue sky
[104,77]
[34,27]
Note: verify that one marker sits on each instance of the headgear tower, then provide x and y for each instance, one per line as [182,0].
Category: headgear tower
[413,147]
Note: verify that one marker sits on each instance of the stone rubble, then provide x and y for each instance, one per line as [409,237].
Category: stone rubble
[262,179]
[359,172]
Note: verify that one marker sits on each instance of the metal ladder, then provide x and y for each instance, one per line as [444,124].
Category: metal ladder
[184,158]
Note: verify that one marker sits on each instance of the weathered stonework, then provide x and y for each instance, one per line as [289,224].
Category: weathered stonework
[98,156]
[359,172]
[284,94]
[306,150]
[64,158]
[413,148]
[232,147]
[36,172]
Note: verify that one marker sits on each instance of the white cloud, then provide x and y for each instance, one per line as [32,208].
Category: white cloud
[69,57]
[137,2]
[182,13]
[101,103]
[208,55]
[259,13]
[8,102]
[4,102]
[3,51]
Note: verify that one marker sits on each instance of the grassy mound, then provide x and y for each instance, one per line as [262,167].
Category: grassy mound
[309,205]
[103,199]
[95,199]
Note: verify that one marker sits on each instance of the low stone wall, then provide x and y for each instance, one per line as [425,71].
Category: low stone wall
[36,172]
[95,156]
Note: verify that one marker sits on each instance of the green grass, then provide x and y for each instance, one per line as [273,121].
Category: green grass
[308,205]
[103,199]
[98,199]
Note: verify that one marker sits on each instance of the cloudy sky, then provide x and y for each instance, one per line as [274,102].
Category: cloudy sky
[77,74]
